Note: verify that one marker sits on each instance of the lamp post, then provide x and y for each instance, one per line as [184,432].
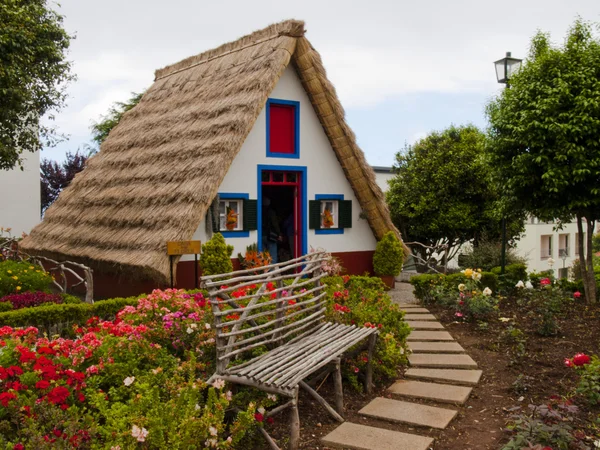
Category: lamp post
[505,68]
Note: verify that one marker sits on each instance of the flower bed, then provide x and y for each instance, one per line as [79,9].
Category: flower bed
[17,276]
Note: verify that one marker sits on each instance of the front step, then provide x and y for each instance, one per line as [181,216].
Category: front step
[436,347]
[444,393]
[453,376]
[429,336]
[362,437]
[442,361]
[408,413]
[412,316]
[424,325]
[417,310]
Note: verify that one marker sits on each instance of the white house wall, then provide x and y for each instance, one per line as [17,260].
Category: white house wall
[20,196]
[382,180]
[324,173]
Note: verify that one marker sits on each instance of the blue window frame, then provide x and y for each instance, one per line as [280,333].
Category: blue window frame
[296,106]
[234,196]
[330,197]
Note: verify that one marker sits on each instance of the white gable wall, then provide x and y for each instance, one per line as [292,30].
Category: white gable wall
[324,173]
[20,196]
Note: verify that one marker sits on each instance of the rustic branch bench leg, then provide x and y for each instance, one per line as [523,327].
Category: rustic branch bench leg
[339,392]
[369,374]
[294,423]
[321,401]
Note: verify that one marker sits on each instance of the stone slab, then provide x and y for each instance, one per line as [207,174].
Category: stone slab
[436,347]
[414,310]
[409,305]
[429,336]
[410,316]
[444,393]
[454,376]
[424,325]
[361,437]
[409,413]
[442,361]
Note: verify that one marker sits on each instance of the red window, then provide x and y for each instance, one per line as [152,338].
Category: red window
[282,129]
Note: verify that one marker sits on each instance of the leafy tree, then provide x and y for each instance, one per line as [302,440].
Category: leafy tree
[441,194]
[544,130]
[33,76]
[101,129]
[57,176]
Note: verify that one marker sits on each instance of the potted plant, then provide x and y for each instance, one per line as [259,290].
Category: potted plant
[388,258]
[232,219]
[327,219]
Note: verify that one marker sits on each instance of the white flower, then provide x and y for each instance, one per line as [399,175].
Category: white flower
[528,285]
[504,319]
[139,433]
[115,447]
[487,291]
[213,431]
[229,439]
[207,326]
[261,410]
[219,383]
[272,397]
[128,381]
[211,443]
[197,407]
[189,330]
[194,326]
[551,262]
[520,284]
[476,276]
[228,396]
[461,287]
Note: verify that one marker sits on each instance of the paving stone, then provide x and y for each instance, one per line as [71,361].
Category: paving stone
[414,310]
[424,325]
[410,413]
[362,437]
[442,361]
[409,305]
[436,347]
[429,336]
[454,376]
[445,393]
[410,316]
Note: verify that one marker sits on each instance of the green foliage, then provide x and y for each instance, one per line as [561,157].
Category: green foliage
[489,280]
[19,276]
[441,193]
[5,306]
[513,273]
[514,340]
[589,383]
[216,256]
[389,255]
[543,304]
[33,76]
[488,254]
[425,287]
[442,289]
[100,130]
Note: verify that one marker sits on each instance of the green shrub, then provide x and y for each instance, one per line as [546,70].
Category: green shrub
[513,273]
[535,277]
[216,256]
[388,256]
[5,306]
[426,287]
[488,254]
[20,276]
[489,280]
[589,383]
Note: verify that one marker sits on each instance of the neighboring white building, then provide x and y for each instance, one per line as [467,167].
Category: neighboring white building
[20,196]
[382,176]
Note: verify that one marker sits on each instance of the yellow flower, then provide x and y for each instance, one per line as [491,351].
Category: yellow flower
[18,288]
[31,267]
[25,271]
[468,273]
[15,277]
[10,271]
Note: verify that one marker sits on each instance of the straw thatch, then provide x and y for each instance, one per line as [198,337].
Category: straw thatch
[161,167]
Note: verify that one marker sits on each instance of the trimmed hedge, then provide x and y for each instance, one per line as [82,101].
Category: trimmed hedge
[432,288]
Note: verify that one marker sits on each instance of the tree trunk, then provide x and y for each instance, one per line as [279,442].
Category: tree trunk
[590,261]
[582,262]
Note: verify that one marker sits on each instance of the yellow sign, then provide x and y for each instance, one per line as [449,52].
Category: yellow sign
[183,247]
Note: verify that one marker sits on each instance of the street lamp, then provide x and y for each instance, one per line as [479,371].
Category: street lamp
[505,68]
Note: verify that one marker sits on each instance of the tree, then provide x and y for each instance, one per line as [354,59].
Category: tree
[101,129]
[544,130]
[441,194]
[55,177]
[33,76]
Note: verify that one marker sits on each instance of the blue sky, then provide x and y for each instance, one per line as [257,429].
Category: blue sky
[401,69]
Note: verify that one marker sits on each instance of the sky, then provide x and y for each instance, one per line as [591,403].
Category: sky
[401,68]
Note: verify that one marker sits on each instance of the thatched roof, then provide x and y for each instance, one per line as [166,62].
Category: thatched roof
[160,168]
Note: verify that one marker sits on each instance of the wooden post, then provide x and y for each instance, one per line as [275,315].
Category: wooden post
[89,285]
[369,374]
[339,391]
[280,314]
[294,423]
[220,342]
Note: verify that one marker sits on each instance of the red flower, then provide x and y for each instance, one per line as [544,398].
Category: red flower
[14,371]
[576,295]
[81,397]
[58,395]
[259,417]
[57,433]
[26,355]
[6,397]
[19,446]
[581,359]
[346,278]
[42,384]
[568,362]
[545,282]
[270,420]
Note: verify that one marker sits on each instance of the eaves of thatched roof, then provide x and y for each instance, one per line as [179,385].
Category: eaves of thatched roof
[160,168]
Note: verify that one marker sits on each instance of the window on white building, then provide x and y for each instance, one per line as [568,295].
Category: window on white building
[563,245]
[332,207]
[230,215]
[546,246]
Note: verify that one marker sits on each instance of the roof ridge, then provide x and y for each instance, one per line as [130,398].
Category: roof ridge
[292,28]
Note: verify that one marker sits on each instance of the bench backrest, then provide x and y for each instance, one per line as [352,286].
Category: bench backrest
[263,308]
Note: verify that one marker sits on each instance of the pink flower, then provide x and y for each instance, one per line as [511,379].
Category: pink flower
[139,433]
[576,295]
[545,282]
[568,362]
[458,314]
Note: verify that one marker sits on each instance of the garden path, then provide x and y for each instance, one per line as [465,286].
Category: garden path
[440,373]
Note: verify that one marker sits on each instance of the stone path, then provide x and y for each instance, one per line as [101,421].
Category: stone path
[440,373]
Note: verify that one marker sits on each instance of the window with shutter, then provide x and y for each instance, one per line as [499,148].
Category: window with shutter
[330,214]
[237,215]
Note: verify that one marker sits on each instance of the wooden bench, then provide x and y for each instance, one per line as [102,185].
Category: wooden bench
[284,318]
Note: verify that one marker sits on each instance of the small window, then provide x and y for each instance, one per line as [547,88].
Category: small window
[231,215]
[546,247]
[329,214]
[563,245]
[282,128]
